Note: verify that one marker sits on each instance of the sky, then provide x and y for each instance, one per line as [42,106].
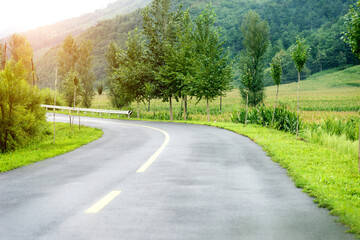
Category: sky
[21,15]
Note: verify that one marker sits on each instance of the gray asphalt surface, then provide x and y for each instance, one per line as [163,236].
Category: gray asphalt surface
[208,183]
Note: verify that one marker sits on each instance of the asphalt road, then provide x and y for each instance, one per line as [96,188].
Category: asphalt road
[204,183]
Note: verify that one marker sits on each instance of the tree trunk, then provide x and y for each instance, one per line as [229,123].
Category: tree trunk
[185,111]
[220,103]
[207,110]
[246,108]
[277,93]
[171,109]
[298,107]
[99,102]
[137,108]
[70,117]
[4,61]
[73,119]
[55,101]
[149,105]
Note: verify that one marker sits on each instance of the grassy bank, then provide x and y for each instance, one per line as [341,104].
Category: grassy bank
[38,151]
[330,176]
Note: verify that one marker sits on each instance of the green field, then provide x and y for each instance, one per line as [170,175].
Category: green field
[325,94]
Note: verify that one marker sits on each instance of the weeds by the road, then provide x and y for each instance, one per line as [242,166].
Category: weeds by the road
[38,151]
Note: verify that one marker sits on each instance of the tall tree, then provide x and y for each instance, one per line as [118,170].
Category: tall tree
[352,37]
[159,24]
[276,72]
[179,59]
[299,53]
[86,74]
[67,57]
[21,49]
[116,57]
[256,35]
[133,72]
[212,71]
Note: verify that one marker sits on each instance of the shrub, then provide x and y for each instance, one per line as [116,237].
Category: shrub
[21,117]
[284,119]
[48,97]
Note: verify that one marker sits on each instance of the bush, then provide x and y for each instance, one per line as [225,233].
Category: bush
[48,97]
[284,119]
[21,117]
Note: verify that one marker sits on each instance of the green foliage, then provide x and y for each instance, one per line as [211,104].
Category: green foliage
[299,53]
[127,82]
[276,69]
[48,96]
[71,87]
[100,88]
[178,71]
[21,117]
[41,149]
[256,35]
[67,57]
[21,50]
[352,23]
[284,119]
[213,73]
[74,57]
[86,74]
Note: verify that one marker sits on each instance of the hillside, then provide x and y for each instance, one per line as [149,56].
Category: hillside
[320,22]
[330,90]
[45,37]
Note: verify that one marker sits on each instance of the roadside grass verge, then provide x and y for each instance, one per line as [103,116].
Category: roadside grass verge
[45,148]
[330,176]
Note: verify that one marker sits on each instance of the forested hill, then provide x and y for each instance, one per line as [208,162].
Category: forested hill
[51,35]
[320,22]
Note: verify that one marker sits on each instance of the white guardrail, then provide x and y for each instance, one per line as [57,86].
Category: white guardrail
[101,111]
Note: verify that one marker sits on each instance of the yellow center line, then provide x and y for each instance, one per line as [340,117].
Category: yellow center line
[147,164]
[103,202]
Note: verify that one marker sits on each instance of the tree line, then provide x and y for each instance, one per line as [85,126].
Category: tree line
[173,58]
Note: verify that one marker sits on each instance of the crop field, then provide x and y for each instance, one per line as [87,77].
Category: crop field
[327,94]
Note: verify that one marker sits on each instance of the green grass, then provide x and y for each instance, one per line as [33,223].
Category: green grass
[328,175]
[38,151]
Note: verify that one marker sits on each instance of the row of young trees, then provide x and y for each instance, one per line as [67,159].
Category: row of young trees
[173,58]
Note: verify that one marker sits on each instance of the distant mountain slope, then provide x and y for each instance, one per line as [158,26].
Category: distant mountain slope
[318,21]
[51,35]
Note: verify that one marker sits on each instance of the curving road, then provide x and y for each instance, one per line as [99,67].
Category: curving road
[199,183]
